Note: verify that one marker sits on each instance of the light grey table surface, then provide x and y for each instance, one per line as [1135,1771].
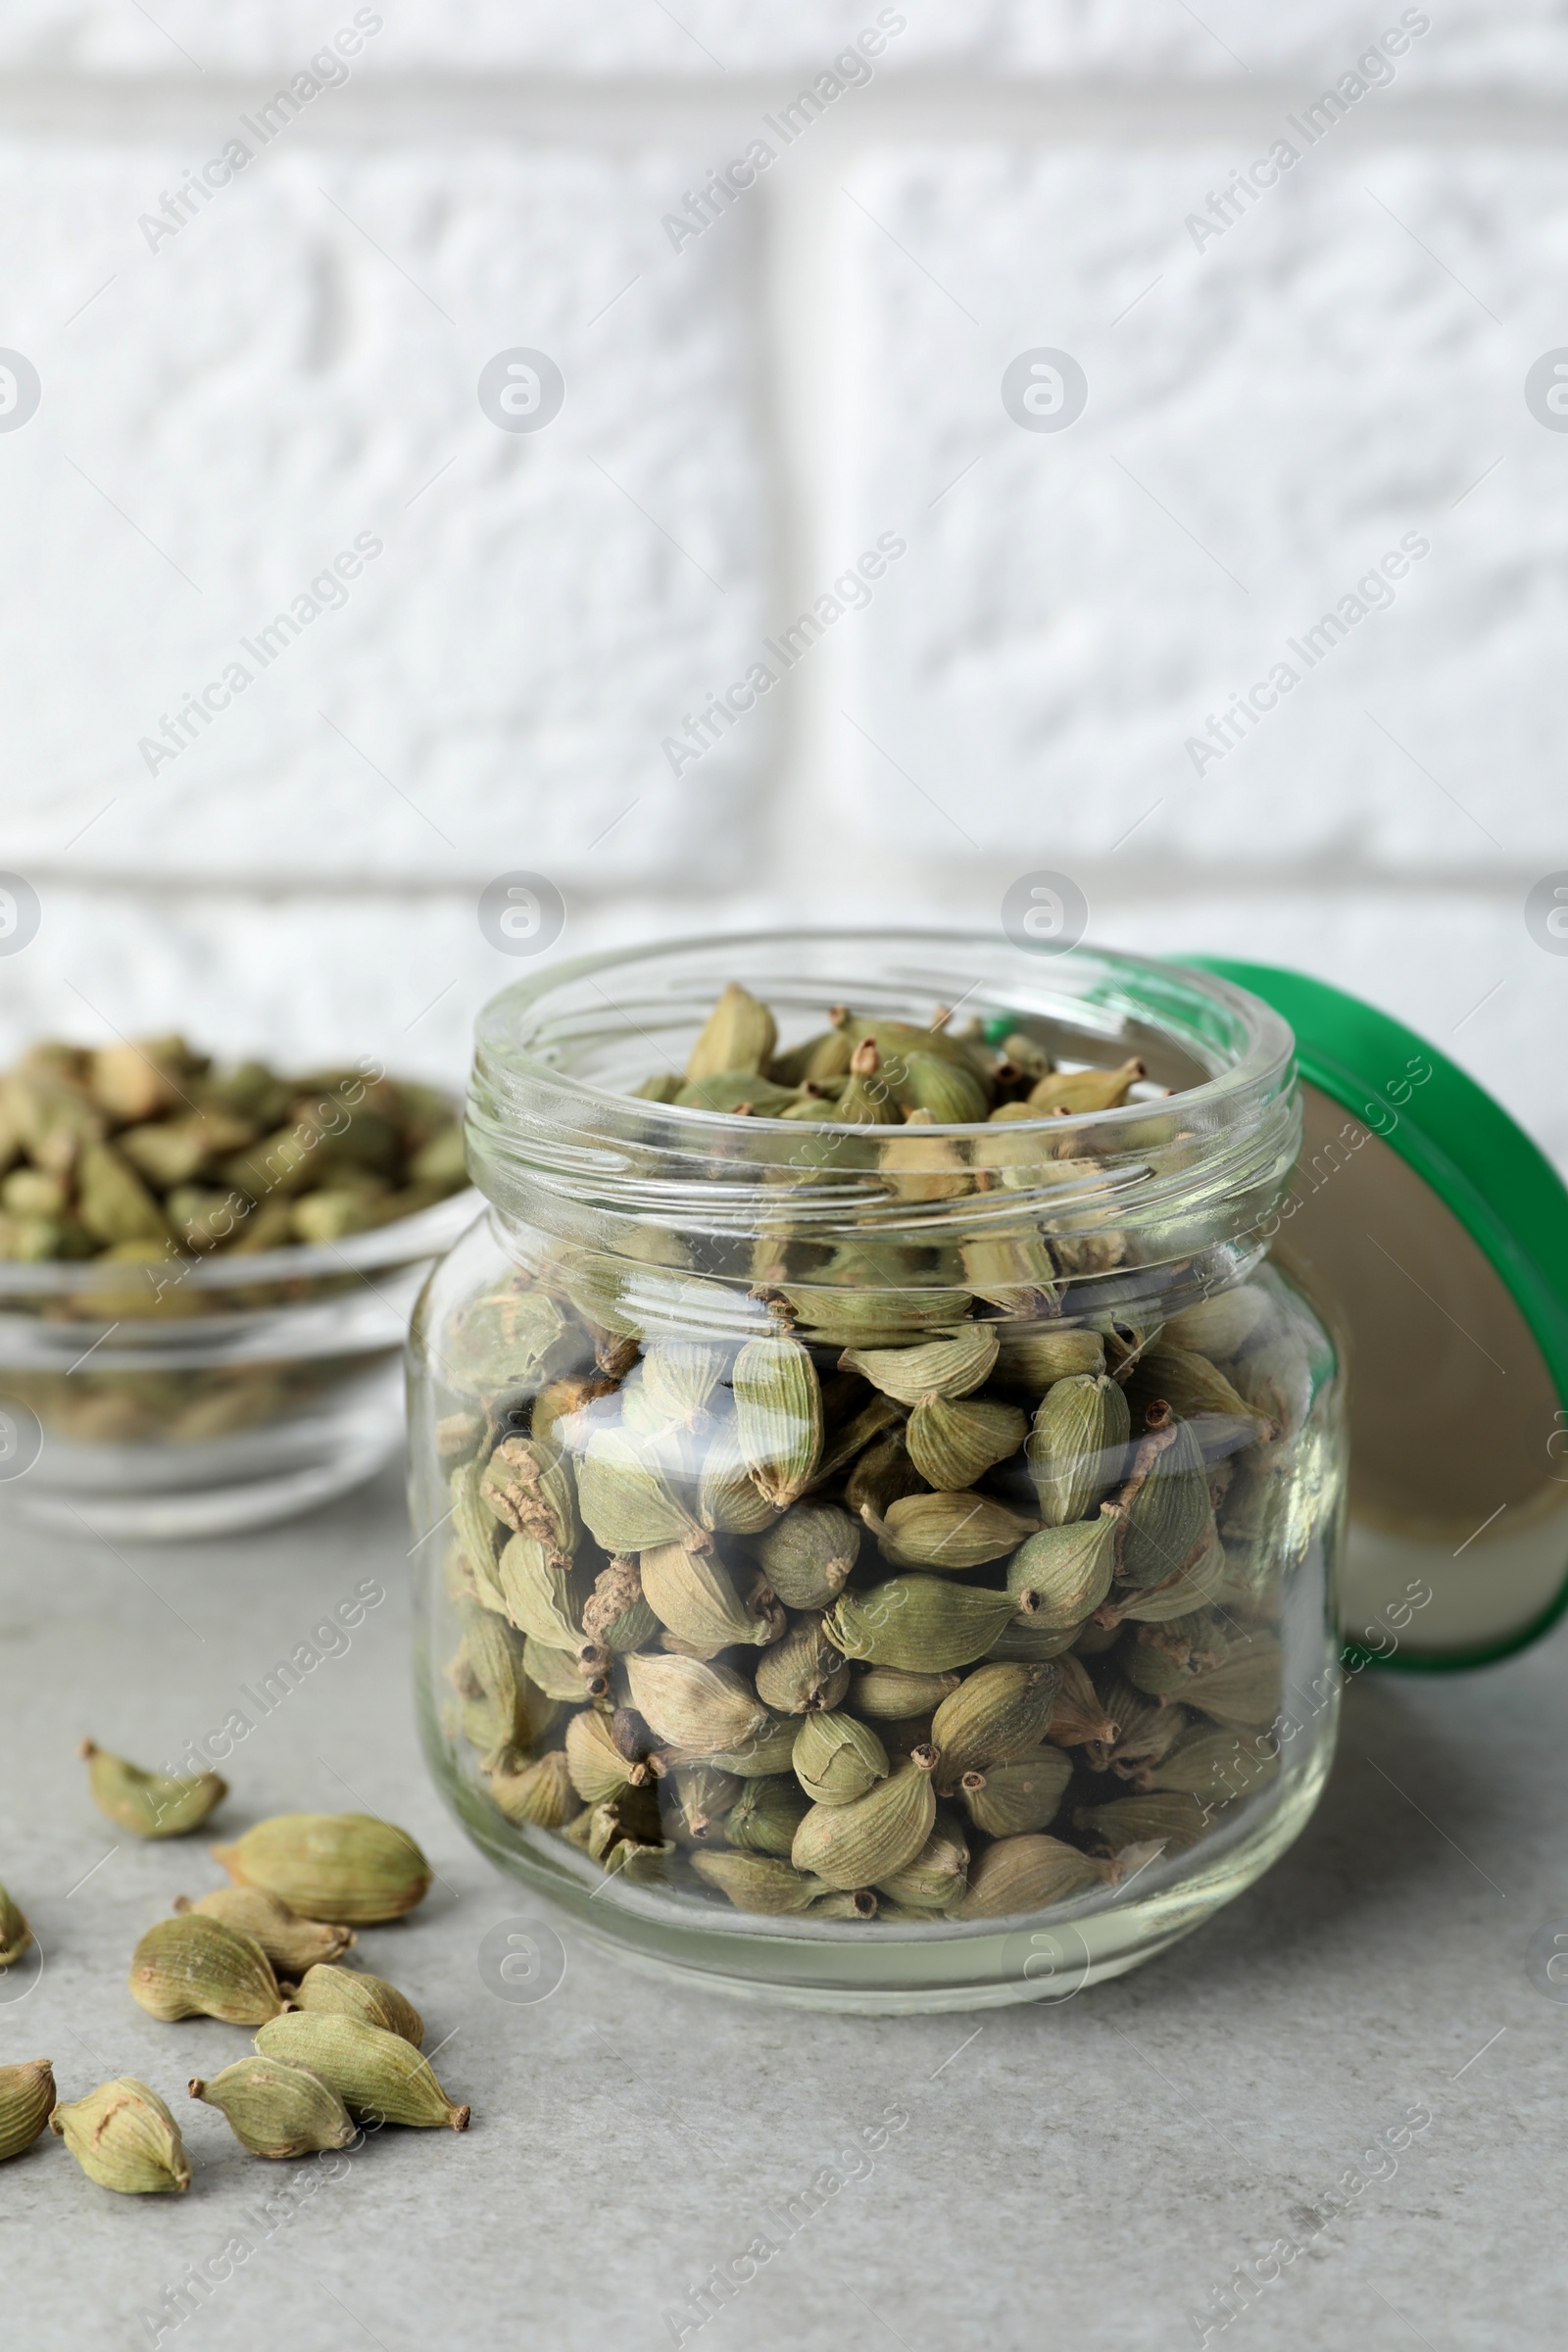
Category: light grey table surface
[1083,2174]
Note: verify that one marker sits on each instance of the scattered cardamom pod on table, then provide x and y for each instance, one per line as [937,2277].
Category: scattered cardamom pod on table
[123,2137]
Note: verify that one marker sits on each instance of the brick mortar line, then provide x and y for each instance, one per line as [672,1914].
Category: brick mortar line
[45,108]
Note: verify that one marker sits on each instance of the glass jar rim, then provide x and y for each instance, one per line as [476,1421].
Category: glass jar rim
[555,1144]
[1265,1039]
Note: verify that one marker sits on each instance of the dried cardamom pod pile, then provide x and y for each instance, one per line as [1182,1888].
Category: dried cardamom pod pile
[913,1602]
[143,1158]
[130,1152]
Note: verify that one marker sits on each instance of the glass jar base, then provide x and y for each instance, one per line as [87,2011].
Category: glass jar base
[899,1970]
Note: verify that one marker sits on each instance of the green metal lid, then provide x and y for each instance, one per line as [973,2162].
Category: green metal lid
[1439,1234]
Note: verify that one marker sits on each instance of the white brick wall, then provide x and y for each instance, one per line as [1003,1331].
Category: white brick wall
[1269,414]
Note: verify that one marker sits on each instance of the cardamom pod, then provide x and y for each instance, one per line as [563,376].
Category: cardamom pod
[842,1316]
[1029,1872]
[623,1836]
[680,1377]
[496,1657]
[349,1867]
[920,1166]
[377,2074]
[1084,1090]
[728,1500]
[528,1488]
[844,1903]
[1218,1765]
[695,1597]
[951,1532]
[1198,1393]
[504,1340]
[540,1594]
[1024,1643]
[1219,1326]
[900,1739]
[825,1055]
[1033,1355]
[484,1726]
[111,1200]
[1008,1800]
[850,1433]
[1153,1667]
[759,1882]
[1146,1729]
[123,2137]
[952,1443]
[1168,1514]
[837,1757]
[807,1554]
[27,2098]
[952,1364]
[1013,1271]
[998,1714]
[778,1412]
[867,1098]
[1174,1821]
[150,1804]
[1025,1058]
[616,1615]
[767,1814]
[569,1677]
[883,1474]
[1247,1691]
[918,1623]
[1076,1446]
[291,1944]
[1095,1637]
[935,1880]
[875,1836]
[740,1092]
[1199,1582]
[15,1936]
[541,1794]
[597,1767]
[350,1992]
[275,2108]
[887,1693]
[476,1530]
[803,1673]
[625,1495]
[1080,1714]
[739,1034]
[1067,1568]
[693,1706]
[1206,1637]
[769,1749]
[195,1966]
[695,1800]
[954,1096]
[899,1038]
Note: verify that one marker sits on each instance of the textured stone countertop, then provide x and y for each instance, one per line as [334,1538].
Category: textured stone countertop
[1084,2175]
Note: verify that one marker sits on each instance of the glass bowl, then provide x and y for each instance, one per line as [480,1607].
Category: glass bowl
[209,1394]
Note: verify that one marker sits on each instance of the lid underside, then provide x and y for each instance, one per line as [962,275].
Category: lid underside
[1437,1233]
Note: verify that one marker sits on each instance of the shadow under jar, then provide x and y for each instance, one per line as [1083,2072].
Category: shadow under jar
[878,1567]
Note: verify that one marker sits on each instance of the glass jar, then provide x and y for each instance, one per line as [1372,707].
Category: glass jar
[878,1567]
